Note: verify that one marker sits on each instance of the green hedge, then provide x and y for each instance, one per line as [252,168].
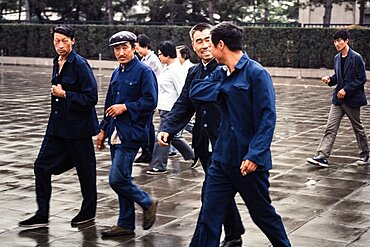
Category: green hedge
[277,47]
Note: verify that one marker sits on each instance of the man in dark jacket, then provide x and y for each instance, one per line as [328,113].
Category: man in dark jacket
[72,122]
[131,99]
[207,121]
[348,97]
[241,157]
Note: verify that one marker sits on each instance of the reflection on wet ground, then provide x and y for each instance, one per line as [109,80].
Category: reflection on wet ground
[320,207]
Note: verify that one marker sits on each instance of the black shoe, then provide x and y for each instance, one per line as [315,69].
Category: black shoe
[79,220]
[172,154]
[35,221]
[236,242]
[318,161]
[115,231]
[149,215]
[195,163]
[363,161]
[144,158]
[155,171]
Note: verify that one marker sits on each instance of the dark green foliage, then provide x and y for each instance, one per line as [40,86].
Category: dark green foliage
[276,47]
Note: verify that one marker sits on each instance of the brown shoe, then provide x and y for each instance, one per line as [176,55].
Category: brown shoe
[149,214]
[115,231]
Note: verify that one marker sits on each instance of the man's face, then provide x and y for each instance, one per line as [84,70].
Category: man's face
[162,58]
[202,45]
[63,44]
[124,52]
[142,51]
[340,44]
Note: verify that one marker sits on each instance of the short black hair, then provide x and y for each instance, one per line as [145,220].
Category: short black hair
[65,30]
[199,27]
[185,51]
[144,41]
[341,34]
[168,48]
[230,34]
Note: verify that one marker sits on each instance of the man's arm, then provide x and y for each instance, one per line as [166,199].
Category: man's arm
[360,76]
[87,97]
[264,117]
[207,90]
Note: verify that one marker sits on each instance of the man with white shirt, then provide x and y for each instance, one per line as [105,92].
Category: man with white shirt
[170,83]
[143,48]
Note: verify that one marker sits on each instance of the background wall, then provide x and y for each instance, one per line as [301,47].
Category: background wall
[273,47]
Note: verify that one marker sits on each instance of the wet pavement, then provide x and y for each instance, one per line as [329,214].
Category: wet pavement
[320,207]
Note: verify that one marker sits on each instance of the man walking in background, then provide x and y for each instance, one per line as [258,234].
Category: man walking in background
[72,123]
[148,57]
[348,96]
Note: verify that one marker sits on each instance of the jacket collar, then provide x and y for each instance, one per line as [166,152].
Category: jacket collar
[70,58]
[130,64]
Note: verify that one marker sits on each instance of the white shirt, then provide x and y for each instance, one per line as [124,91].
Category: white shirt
[170,83]
[187,65]
[153,62]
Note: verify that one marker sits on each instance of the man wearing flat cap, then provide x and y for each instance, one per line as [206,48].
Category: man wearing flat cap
[130,101]
[68,139]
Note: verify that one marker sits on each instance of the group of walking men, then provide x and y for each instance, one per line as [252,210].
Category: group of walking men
[233,100]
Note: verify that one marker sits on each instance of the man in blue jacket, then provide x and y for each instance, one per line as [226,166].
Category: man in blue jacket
[207,122]
[241,158]
[72,123]
[348,97]
[131,99]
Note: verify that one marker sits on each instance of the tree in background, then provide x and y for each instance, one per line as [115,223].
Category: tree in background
[168,11]
[328,5]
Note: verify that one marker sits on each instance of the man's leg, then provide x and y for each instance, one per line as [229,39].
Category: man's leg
[160,154]
[335,116]
[182,146]
[354,116]
[254,189]
[218,194]
[233,225]
[120,180]
[83,154]
[51,160]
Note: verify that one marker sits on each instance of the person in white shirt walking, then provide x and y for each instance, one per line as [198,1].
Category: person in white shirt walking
[170,83]
[143,48]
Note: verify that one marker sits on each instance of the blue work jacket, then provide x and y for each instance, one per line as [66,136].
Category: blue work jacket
[248,114]
[352,80]
[75,116]
[136,87]
[207,116]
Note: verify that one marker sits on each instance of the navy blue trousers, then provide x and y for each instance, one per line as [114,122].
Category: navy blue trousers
[233,225]
[58,155]
[222,184]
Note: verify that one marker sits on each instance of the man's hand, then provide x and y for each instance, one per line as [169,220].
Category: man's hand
[247,167]
[100,140]
[58,91]
[115,110]
[326,79]
[341,94]
[162,138]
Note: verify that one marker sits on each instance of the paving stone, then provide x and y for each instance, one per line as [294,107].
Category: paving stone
[320,207]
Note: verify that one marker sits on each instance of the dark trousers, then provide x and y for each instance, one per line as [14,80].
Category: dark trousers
[233,225]
[58,155]
[223,182]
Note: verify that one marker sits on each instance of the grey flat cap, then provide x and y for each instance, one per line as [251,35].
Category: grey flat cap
[122,37]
